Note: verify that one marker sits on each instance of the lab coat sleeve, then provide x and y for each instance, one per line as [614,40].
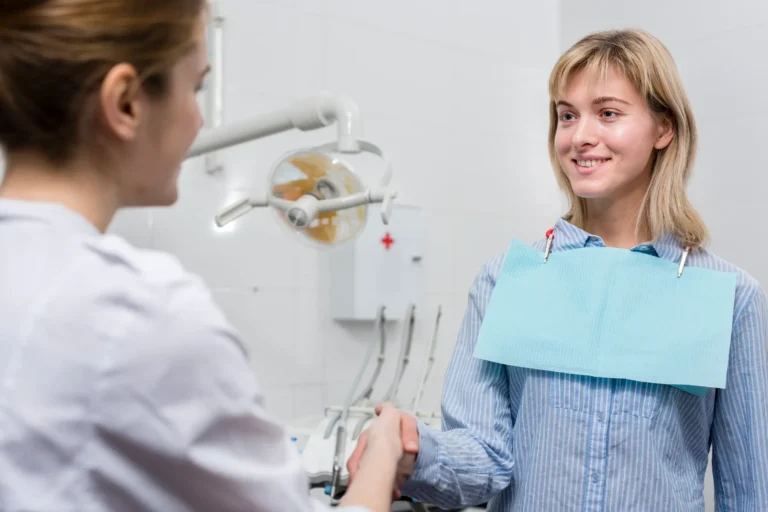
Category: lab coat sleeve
[181,422]
[740,427]
[470,460]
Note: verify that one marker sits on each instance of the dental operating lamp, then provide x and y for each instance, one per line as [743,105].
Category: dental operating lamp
[310,186]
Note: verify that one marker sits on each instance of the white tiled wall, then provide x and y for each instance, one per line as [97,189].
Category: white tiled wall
[453,91]
[720,54]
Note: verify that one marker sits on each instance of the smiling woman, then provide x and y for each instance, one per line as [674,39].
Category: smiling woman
[554,398]
[622,132]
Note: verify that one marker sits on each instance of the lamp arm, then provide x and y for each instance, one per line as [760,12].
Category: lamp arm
[306,114]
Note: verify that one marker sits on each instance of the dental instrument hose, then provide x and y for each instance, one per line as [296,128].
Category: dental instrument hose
[429,362]
[405,350]
[366,393]
[341,431]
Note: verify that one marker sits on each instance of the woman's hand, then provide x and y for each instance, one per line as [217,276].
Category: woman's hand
[376,467]
[391,426]
[383,437]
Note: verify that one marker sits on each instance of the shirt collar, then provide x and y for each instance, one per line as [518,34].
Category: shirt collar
[669,247]
[53,214]
[569,236]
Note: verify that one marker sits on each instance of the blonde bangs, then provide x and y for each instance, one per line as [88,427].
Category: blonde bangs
[596,65]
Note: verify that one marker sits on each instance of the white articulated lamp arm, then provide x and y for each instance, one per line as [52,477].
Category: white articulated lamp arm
[306,114]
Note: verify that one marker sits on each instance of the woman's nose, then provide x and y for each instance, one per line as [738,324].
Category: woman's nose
[585,133]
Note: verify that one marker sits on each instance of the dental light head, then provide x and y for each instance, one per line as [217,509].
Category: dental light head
[315,191]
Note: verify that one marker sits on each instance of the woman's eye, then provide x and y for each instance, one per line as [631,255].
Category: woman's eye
[202,85]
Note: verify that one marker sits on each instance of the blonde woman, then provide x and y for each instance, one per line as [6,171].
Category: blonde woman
[622,142]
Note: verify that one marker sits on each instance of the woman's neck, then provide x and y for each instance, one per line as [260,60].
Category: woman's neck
[77,186]
[615,220]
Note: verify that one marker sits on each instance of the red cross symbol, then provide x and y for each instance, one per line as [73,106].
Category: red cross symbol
[387,240]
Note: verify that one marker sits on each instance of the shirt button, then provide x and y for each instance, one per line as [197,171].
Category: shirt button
[595,477]
[600,417]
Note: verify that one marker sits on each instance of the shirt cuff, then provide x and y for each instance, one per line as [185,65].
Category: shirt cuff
[426,472]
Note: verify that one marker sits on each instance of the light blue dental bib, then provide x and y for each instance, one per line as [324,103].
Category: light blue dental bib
[612,313]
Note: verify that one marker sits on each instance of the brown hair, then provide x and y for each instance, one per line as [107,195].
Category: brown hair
[55,53]
[647,64]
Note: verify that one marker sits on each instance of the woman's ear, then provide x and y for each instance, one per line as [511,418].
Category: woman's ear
[119,101]
[665,132]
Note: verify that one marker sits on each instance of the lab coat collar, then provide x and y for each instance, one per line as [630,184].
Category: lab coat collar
[54,214]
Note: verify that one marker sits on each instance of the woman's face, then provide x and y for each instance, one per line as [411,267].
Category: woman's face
[165,129]
[606,136]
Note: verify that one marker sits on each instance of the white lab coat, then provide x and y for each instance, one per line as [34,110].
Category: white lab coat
[122,385]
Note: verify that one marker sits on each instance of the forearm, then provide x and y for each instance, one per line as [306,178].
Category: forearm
[740,428]
[739,464]
[455,469]
[470,460]
[372,487]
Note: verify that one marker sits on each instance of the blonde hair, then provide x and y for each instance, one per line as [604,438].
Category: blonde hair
[647,64]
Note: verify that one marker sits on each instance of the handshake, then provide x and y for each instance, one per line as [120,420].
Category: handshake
[390,445]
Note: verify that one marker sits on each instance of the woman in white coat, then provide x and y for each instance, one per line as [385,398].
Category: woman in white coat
[122,386]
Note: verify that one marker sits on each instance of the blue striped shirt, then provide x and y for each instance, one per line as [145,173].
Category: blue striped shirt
[527,440]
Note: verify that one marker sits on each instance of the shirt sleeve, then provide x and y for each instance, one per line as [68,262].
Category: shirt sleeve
[181,423]
[470,460]
[740,428]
